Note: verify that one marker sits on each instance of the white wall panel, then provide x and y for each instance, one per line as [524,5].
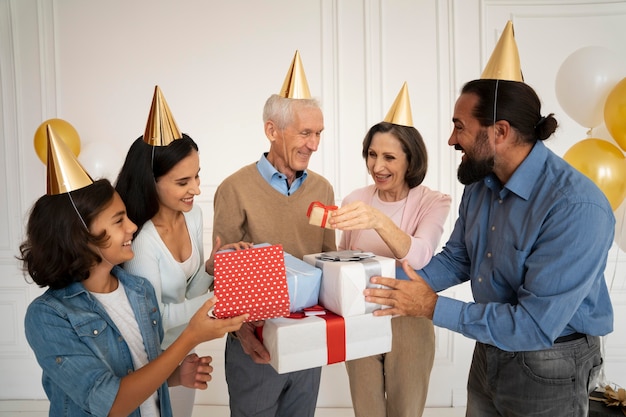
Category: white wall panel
[95,64]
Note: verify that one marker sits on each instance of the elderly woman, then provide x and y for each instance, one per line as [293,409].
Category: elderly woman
[396,217]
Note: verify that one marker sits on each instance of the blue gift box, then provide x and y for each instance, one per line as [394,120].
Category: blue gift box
[303,283]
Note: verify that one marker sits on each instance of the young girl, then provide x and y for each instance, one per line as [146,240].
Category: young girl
[96,331]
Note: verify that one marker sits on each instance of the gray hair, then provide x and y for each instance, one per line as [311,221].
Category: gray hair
[280,109]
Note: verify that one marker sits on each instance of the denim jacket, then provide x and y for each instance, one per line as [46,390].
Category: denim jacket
[81,351]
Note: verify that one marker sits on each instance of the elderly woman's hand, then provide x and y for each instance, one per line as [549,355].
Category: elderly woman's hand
[356,215]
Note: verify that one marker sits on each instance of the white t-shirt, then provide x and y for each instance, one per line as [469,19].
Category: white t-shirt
[118,308]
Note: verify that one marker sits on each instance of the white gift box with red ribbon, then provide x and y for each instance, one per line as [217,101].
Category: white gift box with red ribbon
[296,344]
[345,278]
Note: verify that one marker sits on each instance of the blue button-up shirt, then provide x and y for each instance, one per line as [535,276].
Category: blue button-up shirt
[82,353]
[277,180]
[535,251]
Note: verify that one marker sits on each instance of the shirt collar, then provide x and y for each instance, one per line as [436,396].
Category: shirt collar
[528,174]
[267,170]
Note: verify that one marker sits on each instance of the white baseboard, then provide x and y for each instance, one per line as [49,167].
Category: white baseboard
[39,408]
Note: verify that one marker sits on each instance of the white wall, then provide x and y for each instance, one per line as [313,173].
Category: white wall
[95,64]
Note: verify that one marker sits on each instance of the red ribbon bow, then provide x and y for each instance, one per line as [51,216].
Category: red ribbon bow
[335,333]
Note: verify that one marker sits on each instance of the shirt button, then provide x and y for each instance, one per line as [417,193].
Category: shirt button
[488,254]
[95,332]
[154,322]
[493,228]
[58,359]
[500,201]
[480,279]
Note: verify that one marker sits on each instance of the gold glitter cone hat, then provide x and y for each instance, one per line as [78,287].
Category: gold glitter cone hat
[504,63]
[65,173]
[161,128]
[400,111]
[295,84]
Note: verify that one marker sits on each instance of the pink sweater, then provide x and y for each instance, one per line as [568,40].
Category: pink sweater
[422,218]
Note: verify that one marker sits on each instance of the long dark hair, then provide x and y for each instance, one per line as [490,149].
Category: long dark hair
[516,102]
[56,251]
[412,145]
[136,182]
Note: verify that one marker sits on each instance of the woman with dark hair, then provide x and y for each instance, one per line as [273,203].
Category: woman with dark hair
[399,218]
[158,183]
[96,331]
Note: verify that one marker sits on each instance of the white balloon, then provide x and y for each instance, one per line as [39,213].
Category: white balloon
[101,160]
[584,81]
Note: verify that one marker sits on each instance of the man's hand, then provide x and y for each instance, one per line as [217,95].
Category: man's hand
[406,298]
[251,345]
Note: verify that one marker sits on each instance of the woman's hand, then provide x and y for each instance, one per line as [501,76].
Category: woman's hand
[208,265]
[236,246]
[356,215]
[360,216]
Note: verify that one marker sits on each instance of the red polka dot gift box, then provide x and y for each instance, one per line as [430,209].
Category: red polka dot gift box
[251,281]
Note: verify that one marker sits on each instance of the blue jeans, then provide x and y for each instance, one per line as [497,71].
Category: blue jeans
[554,382]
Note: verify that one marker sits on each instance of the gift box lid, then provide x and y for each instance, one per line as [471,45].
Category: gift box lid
[345,275]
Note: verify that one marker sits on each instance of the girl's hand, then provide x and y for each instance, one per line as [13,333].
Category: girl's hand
[195,371]
[203,326]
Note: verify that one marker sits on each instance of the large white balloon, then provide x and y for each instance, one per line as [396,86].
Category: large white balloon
[584,81]
[101,160]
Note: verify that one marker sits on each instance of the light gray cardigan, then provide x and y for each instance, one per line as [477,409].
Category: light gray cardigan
[179,297]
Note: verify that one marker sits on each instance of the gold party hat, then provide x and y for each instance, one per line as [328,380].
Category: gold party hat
[65,173]
[161,128]
[295,85]
[400,111]
[504,63]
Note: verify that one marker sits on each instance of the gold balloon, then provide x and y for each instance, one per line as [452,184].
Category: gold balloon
[615,113]
[63,130]
[604,164]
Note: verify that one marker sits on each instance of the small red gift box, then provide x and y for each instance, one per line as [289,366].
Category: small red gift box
[251,281]
[319,214]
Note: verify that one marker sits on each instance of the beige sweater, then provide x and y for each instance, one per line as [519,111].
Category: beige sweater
[248,208]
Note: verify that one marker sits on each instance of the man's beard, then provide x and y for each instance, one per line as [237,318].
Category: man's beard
[472,170]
